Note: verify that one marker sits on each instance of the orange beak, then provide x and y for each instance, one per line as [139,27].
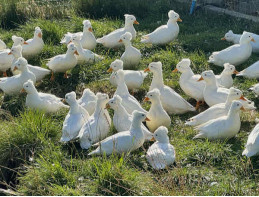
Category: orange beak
[23,90]
[90,29]
[136,22]
[107,106]
[147,119]
[223,38]
[120,40]
[175,70]
[147,70]
[146,99]
[242,108]
[40,35]
[15,68]
[109,70]
[179,20]
[152,139]
[253,40]
[69,42]
[236,72]
[76,53]
[242,98]
[10,53]
[201,79]
[25,42]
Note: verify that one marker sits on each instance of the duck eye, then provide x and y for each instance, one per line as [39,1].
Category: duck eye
[237,104]
[205,75]
[143,115]
[114,66]
[111,102]
[151,95]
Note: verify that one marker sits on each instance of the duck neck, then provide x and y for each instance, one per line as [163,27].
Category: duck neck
[156,104]
[33,92]
[135,125]
[157,81]
[188,74]
[128,25]
[127,45]
[79,48]
[171,22]
[99,110]
[74,107]
[212,84]
[17,55]
[165,140]
[233,114]
[228,101]
[122,88]
[120,110]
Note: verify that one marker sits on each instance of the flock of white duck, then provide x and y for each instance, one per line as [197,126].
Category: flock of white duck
[88,119]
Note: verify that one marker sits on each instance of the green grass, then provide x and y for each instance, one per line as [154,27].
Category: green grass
[33,162]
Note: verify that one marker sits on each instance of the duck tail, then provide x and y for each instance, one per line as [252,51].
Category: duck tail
[100,40]
[144,74]
[241,73]
[190,122]
[200,135]
[95,152]
[249,153]
[145,39]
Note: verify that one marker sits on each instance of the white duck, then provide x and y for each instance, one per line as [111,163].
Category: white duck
[85,55]
[39,72]
[6,60]
[214,95]
[34,45]
[74,120]
[235,54]
[161,154]
[122,119]
[133,79]
[172,102]
[112,39]
[18,41]
[235,38]
[88,40]
[255,89]
[217,110]
[88,101]
[157,115]
[252,144]
[98,125]
[126,141]
[41,101]
[128,101]
[165,33]
[251,71]
[13,85]
[62,63]
[2,45]
[222,127]
[131,56]
[189,81]
[225,78]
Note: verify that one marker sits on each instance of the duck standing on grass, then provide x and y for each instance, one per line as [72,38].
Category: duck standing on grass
[189,81]
[161,154]
[34,45]
[74,120]
[126,141]
[131,56]
[97,127]
[165,33]
[223,127]
[133,79]
[122,119]
[13,85]
[172,102]
[112,39]
[157,115]
[63,63]
[41,101]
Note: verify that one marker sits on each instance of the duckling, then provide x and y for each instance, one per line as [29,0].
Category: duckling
[41,101]
[157,115]
[131,56]
[165,33]
[64,62]
[74,120]
[88,101]
[189,81]
[13,85]
[34,45]
[222,127]
[112,39]
[98,125]
[161,154]
[126,141]
[176,104]
[133,79]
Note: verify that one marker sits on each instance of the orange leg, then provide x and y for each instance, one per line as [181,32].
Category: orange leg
[197,105]
[65,75]
[5,74]
[52,76]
